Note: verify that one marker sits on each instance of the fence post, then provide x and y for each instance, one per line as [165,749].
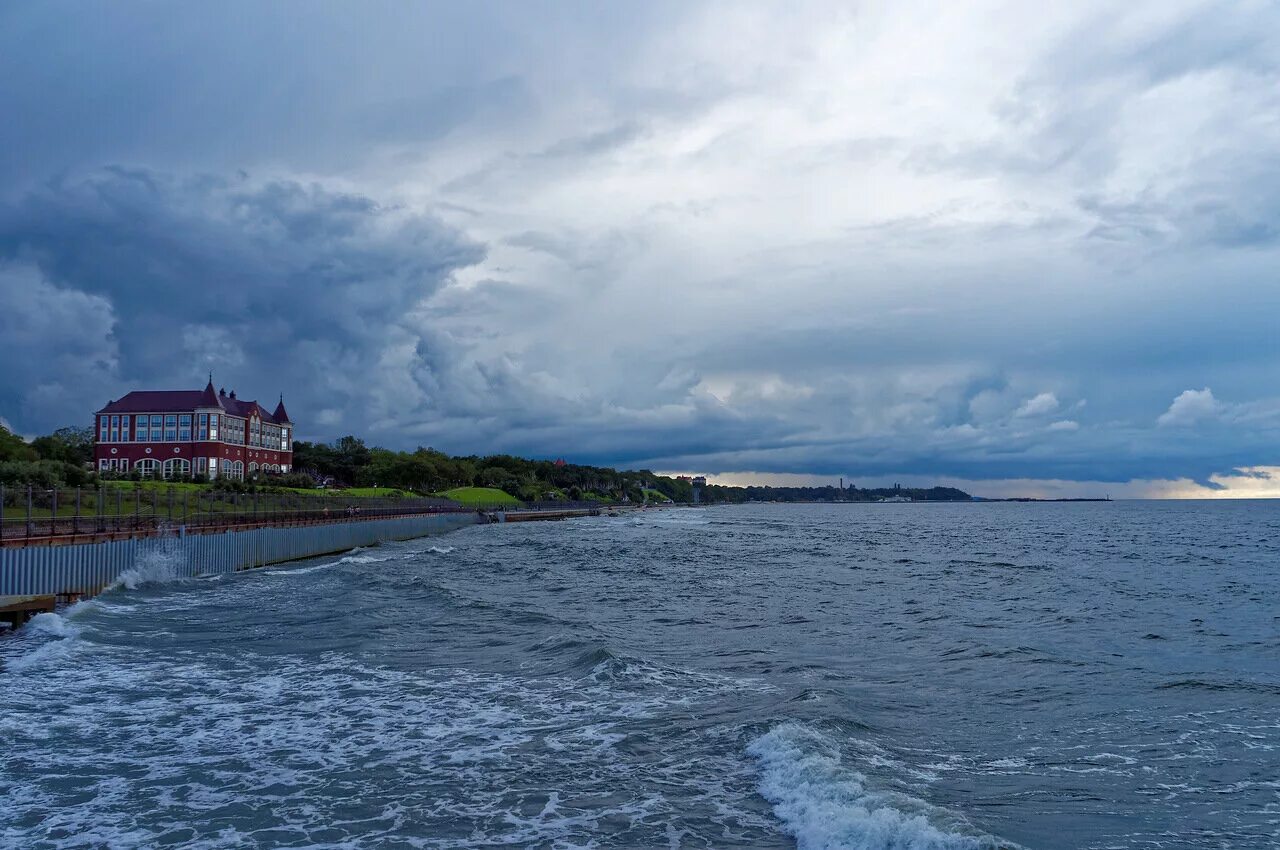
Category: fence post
[120,504]
[75,518]
[28,510]
[186,502]
[53,513]
[170,503]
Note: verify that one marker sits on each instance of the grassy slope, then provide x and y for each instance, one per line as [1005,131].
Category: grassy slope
[479,496]
[352,492]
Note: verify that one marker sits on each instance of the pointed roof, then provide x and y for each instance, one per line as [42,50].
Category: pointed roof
[209,398]
[281,415]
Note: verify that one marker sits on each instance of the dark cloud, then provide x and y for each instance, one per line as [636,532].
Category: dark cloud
[715,238]
[295,281]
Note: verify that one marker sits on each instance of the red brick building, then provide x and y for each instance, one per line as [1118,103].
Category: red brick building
[192,432]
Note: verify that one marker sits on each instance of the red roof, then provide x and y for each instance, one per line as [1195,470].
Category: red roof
[156,401]
[182,401]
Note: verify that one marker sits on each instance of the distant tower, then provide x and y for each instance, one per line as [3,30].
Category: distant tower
[699,481]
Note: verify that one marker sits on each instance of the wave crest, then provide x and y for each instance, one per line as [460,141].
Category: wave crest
[824,804]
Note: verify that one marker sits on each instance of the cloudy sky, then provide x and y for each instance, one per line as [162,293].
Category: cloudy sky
[1022,248]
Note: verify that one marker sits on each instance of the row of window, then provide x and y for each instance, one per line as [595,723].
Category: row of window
[177,427]
[150,467]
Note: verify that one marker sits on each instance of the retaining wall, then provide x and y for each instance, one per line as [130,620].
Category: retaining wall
[86,568]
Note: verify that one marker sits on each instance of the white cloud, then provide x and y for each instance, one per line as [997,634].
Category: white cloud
[1191,407]
[1064,425]
[1038,406]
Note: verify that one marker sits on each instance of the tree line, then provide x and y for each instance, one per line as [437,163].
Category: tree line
[64,458]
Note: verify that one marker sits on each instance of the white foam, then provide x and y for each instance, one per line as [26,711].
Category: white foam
[825,804]
[56,635]
[200,734]
[53,625]
[295,571]
[156,567]
[441,550]
[363,559]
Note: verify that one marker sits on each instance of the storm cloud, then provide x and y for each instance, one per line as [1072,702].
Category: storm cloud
[987,244]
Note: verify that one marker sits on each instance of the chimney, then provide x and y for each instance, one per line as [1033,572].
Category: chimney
[233,393]
[222,390]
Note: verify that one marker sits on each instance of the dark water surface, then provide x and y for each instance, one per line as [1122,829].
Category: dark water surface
[872,676]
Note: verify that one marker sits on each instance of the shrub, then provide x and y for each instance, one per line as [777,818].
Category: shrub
[299,480]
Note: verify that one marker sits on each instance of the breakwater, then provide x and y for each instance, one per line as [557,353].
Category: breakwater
[82,569]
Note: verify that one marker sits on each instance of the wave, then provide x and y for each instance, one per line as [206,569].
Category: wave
[440,550]
[362,559]
[299,571]
[153,568]
[55,635]
[825,804]
[1204,685]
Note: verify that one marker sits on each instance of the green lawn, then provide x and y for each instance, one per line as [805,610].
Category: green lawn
[150,484]
[480,497]
[351,492]
[654,495]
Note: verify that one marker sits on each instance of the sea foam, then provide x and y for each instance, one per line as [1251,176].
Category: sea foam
[826,805]
[159,567]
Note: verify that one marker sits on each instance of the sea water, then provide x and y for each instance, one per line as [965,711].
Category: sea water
[865,676]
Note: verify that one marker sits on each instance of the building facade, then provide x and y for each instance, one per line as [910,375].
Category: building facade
[167,433]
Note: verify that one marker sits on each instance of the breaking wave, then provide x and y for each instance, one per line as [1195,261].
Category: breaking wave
[153,568]
[824,803]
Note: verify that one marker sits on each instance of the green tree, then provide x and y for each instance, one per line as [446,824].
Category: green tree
[13,447]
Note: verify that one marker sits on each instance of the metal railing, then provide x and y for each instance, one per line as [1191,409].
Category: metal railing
[35,514]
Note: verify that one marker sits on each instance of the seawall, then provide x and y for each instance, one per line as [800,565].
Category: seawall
[83,569]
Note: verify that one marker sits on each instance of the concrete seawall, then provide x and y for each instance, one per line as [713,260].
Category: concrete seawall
[83,569]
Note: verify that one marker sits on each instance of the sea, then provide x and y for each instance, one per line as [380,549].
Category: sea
[908,676]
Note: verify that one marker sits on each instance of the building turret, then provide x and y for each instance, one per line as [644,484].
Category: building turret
[281,415]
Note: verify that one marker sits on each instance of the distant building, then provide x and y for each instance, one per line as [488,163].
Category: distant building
[165,433]
[699,482]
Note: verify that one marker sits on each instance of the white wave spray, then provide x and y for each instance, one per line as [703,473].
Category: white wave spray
[826,805]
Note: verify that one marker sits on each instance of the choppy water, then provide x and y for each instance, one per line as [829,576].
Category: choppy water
[874,676]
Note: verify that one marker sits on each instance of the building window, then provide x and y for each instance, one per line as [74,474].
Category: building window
[157,428]
[102,463]
[171,427]
[213,426]
[284,440]
[140,433]
[184,427]
[103,424]
[124,428]
[202,426]
[124,464]
[148,467]
[176,466]
[202,465]
[115,429]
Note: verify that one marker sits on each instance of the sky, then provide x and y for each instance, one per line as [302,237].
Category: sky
[1024,249]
